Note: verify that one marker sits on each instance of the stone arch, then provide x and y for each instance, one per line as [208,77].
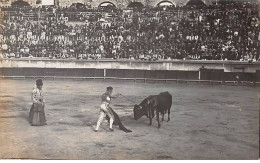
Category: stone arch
[135,4]
[166,1]
[100,5]
[20,3]
[194,2]
[97,3]
[156,2]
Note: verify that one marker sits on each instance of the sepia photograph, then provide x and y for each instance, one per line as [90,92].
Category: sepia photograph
[129,79]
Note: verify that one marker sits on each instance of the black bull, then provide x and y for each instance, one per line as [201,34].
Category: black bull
[155,103]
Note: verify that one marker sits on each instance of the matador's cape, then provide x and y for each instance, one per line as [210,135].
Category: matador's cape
[117,120]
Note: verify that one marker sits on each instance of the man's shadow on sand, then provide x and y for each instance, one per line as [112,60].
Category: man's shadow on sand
[24,116]
[127,120]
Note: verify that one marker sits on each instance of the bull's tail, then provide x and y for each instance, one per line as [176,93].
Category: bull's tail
[118,122]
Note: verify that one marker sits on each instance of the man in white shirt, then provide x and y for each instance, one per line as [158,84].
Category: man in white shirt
[104,108]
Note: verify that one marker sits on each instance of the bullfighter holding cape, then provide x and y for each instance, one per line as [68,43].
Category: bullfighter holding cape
[106,110]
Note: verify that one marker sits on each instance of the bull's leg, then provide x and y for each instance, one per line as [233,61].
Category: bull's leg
[163,117]
[150,114]
[163,113]
[150,121]
[169,114]
[158,120]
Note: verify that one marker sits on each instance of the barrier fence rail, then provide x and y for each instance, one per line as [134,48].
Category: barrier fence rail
[165,76]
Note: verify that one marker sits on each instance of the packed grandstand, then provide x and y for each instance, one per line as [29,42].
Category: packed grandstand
[195,31]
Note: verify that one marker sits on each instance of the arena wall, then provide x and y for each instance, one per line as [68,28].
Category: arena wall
[138,71]
[216,76]
[188,65]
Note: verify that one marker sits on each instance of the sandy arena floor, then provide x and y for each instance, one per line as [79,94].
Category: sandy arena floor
[207,122]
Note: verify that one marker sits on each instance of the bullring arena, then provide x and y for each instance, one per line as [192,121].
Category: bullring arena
[209,120]
[204,53]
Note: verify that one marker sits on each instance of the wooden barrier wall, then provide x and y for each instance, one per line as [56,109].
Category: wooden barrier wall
[202,75]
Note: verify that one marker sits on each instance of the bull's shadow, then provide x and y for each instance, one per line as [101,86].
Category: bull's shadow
[130,122]
[142,122]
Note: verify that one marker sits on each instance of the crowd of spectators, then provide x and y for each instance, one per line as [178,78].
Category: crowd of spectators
[215,32]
